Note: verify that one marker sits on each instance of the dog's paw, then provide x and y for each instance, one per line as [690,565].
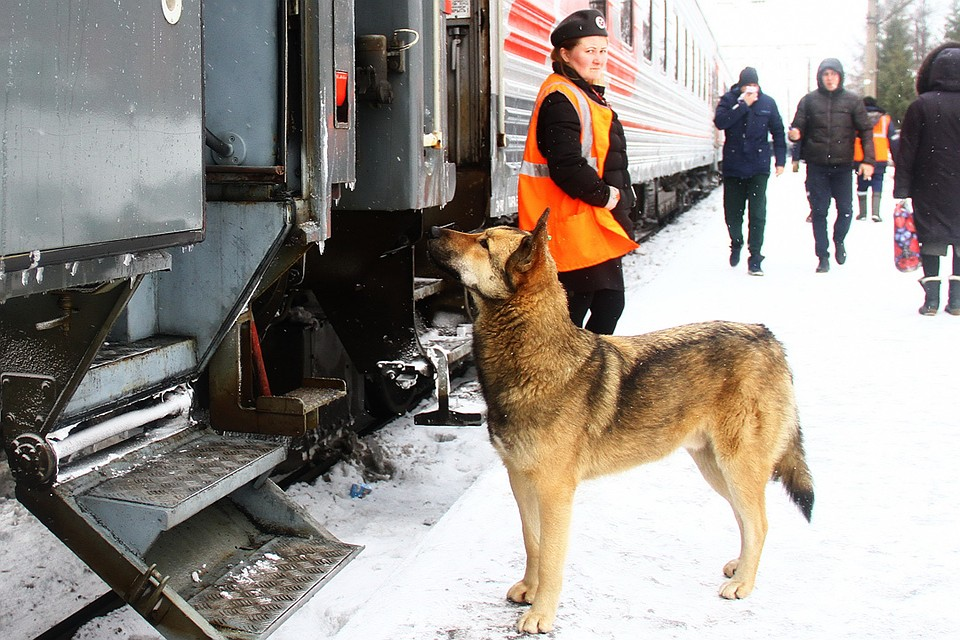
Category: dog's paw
[731,567]
[521,593]
[735,589]
[534,621]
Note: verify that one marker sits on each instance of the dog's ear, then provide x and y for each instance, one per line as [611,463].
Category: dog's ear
[541,228]
[532,245]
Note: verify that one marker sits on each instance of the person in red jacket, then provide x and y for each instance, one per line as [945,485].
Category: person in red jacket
[575,164]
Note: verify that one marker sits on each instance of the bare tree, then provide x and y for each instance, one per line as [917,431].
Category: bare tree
[921,31]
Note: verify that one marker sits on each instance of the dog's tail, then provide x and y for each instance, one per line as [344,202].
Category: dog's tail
[792,471]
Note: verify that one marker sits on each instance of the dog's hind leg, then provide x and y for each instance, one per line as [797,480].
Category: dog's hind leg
[526,590]
[555,498]
[748,498]
[745,491]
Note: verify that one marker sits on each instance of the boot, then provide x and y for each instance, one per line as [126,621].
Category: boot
[862,201]
[735,254]
[824,264]
[953,299]
[931,292]
[875,203]
[839,252]
[753,265]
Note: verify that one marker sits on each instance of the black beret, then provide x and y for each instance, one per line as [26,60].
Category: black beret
[579,24]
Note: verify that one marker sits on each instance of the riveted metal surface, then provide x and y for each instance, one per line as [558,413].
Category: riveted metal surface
[168,480]
[258,593]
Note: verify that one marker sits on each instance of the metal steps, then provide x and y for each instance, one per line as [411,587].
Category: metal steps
[184,524]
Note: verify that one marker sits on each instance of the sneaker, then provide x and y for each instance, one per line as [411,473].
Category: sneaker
[876,217]
[753,266]
[735,256]
[824,265]
[810,218]
[841,253]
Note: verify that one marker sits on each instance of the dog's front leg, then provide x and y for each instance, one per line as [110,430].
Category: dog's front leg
[526,590]
[556,501]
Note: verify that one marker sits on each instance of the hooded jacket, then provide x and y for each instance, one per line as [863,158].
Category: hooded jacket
[747,134]
[829,121]
[928,156]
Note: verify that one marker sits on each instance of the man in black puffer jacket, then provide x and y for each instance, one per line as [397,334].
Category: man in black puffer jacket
[827,121]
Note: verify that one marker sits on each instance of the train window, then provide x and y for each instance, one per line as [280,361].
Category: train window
[658,37]
[663,40]
[648,31]
[676,47]
[626,22]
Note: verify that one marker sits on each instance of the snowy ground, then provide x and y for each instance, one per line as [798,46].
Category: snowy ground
[877,388]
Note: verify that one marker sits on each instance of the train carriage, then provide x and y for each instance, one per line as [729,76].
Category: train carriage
[212,276]
[664,75]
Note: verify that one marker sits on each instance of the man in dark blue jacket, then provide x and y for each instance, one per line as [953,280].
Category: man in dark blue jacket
[748,118]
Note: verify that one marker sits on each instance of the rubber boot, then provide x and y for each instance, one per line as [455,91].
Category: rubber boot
[931,292]
[875,204]
[953,299]
[862,201]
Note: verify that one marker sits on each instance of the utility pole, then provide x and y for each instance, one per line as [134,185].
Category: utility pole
[870,53]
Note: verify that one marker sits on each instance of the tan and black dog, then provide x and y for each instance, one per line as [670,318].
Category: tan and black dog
[565,404]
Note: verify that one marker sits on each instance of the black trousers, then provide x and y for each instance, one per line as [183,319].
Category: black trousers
[605,307]
[738,193]
[826,182]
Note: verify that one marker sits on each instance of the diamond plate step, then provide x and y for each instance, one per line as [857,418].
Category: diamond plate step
[162,487]
[259,593]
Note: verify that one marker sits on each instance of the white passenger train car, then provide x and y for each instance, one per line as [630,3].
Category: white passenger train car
[664,78]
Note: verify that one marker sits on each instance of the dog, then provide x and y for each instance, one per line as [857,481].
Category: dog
[565,405]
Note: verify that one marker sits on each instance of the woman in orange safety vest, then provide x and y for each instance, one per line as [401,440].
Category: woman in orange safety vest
[884,136]
[575,164]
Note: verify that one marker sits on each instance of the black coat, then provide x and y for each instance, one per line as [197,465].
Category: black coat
[928,157]
[558,139]
[829,121]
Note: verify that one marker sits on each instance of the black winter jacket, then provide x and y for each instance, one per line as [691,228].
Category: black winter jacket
[928,156]
[830,120]
[558,139]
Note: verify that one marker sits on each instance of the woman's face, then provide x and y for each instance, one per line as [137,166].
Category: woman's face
[588,57]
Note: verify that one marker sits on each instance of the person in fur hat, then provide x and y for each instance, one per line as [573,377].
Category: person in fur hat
[827,121]
[928,171]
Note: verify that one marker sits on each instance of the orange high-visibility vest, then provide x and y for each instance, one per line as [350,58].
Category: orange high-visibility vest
[881,145]
[581,235]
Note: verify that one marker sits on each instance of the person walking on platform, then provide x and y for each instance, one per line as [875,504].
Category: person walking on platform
[928,171]
[884,134]
[749,119]
[575,164]
[827,121]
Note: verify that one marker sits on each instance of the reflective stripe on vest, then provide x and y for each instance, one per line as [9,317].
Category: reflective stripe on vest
[581,235]
[881,145]
[539,169]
